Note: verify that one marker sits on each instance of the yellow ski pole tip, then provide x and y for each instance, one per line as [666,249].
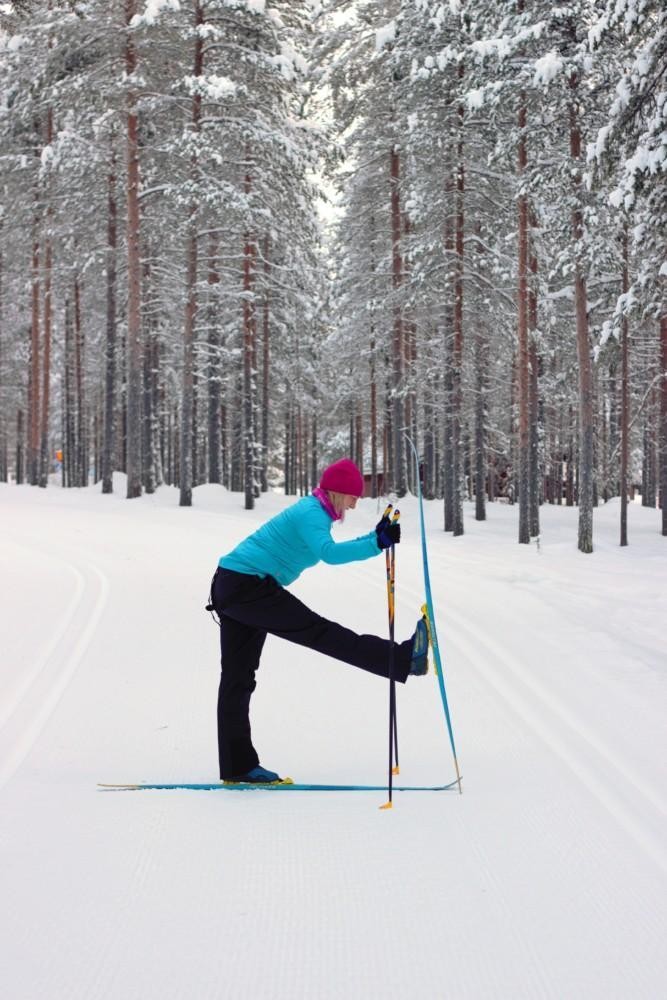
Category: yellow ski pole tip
[387,805]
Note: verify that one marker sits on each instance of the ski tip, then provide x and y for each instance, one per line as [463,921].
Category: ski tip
[125,788]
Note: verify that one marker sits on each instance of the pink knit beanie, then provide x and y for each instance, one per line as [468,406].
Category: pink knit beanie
[343,477]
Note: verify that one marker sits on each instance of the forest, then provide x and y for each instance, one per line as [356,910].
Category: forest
[241,238]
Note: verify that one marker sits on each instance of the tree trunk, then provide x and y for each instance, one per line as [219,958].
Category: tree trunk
[45,451]
[373,417]
[663,418]
[625,413]
[586,427]
[186,460]
[522,360]
[68,404]
[157,408]
[480,357]
[266,369]
[429,451]
[149,469]
[398,473]
[33,381]
[479,432]
[187,406]
[110,346]
[81,443]
[374,484]
[448,339]
[148,449]
[288,449]
[248,356]
[214,369]
[19,469]
[134,368]
[533,393]
[4,455]
[457,354]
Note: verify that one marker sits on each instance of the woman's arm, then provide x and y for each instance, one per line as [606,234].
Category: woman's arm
[316,535]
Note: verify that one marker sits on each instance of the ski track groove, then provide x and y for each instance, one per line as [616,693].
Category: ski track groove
[537,976]
[105,970]
[596,784]
[568,717]
[47,649]
[519,703]
[545,717]
[55,668]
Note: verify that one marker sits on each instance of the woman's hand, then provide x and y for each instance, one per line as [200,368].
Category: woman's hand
[388,533]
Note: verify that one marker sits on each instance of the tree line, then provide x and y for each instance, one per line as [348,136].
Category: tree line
[241,237]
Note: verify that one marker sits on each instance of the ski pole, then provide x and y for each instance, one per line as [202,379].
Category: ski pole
[391,571]
[390,565]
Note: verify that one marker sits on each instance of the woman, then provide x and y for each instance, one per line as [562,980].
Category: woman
[249,597]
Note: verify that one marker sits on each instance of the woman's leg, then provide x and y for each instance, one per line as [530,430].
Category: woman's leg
[262,603]
[240,650]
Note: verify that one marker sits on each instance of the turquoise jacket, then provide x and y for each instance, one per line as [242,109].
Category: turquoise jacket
[292,541]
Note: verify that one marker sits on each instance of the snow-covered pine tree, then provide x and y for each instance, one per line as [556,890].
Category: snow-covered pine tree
[630,153]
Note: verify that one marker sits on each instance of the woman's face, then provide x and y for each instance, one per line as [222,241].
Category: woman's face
[349,501]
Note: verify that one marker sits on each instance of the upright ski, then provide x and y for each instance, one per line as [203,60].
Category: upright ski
[430,615]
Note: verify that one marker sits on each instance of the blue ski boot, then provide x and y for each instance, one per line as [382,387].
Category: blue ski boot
[257,776]
[420,642]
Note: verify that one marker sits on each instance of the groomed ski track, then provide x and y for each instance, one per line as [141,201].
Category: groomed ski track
[546,879]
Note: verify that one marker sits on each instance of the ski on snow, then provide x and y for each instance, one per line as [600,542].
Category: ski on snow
[282,786]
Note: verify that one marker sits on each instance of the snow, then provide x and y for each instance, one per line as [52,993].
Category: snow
[154,8]
[547,68]
[547,878]
[475,98]
[212,86]
[14,42]
[486,48]
[616,197]
[385,35]
[595,151]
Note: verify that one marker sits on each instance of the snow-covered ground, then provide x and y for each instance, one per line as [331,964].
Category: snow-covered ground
[546,878]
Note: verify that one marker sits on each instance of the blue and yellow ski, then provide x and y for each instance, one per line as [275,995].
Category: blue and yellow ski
[276,786]
[430,618]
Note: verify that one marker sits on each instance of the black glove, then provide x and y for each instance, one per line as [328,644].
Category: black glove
[388,533]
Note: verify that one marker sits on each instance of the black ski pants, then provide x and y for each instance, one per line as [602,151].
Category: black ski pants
[251,606]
